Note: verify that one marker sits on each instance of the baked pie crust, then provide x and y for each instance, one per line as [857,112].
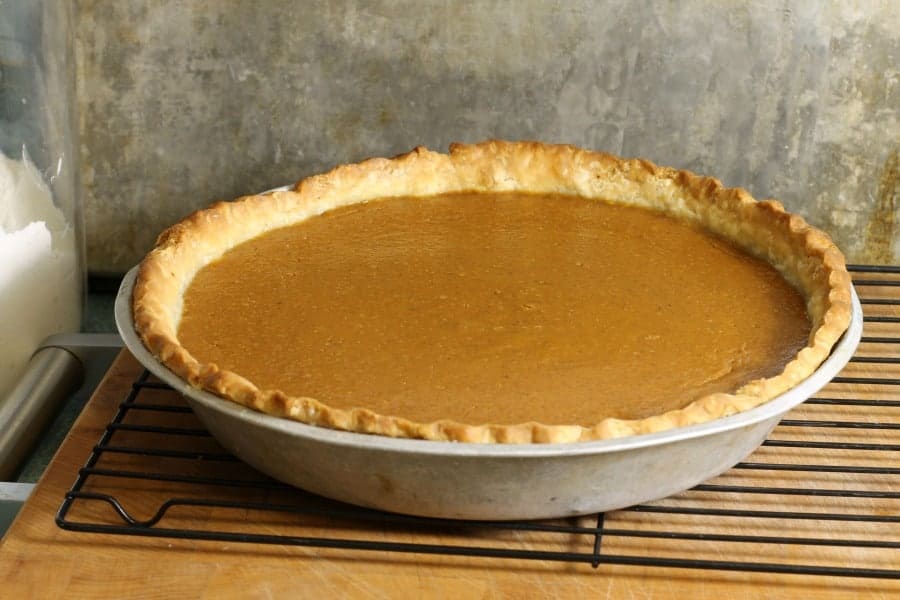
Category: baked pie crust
[805,256]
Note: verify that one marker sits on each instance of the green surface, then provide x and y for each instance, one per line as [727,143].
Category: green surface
[98,313]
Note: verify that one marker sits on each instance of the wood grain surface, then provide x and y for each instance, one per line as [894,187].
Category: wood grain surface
[40,560]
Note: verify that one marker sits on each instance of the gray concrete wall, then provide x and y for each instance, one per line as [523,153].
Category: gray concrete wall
[184,102]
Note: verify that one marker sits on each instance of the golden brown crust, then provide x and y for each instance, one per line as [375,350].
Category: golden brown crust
[804,255]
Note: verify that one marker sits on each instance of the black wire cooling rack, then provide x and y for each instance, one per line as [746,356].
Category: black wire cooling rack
[832,464]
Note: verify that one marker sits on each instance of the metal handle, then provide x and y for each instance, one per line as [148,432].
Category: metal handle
[52,375]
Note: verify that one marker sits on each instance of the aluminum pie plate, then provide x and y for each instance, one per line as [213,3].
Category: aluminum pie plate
[485,481]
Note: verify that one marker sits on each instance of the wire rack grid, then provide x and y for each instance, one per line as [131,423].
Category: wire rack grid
[819,497]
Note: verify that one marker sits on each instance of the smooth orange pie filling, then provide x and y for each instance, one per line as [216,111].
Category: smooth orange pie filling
[503,292]
[494,308]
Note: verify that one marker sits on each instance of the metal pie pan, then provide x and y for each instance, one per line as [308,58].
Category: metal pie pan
[485,481]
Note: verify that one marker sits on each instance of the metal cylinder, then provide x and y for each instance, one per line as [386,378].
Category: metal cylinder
[51,376]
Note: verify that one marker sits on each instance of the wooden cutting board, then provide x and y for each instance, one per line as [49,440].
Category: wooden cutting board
[40,560]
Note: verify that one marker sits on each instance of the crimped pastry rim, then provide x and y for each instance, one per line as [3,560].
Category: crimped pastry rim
[805,256]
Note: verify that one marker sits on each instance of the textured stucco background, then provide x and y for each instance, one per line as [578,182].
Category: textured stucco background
[185,102]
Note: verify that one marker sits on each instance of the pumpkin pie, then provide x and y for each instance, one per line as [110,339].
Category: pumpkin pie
[504,292]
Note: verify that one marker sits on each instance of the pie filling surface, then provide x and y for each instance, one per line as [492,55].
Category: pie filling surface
[494,308]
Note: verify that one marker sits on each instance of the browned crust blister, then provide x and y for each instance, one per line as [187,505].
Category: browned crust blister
[804,255]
